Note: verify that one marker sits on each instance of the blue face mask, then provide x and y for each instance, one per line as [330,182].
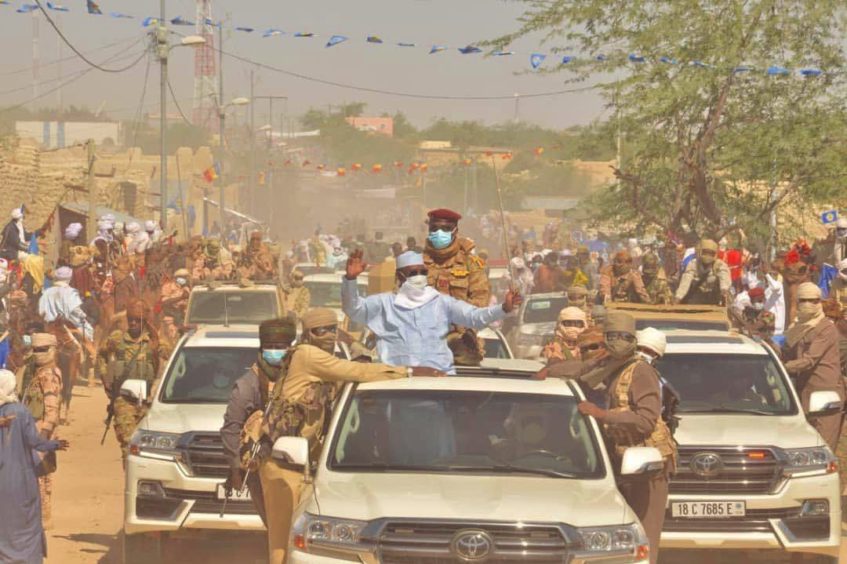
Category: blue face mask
[440,239]
[273,356]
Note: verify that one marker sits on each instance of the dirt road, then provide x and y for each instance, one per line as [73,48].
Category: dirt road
[88,502]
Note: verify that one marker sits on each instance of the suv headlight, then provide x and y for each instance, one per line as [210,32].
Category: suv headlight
[801,460]
[621,538]
[326,532]
[154,444]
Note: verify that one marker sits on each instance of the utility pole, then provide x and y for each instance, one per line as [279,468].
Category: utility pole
[619,150]
[91,186]
[163,48]
[59,44]
[222,123]
[269,177]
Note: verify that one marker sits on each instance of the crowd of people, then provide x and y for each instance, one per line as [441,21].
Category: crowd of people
[112,309]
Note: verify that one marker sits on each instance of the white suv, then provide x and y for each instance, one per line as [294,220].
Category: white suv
[464,468]
[752,474]
[176,466]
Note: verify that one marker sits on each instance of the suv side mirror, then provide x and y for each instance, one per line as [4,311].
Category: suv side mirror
[291,450]
[824,403]
[135,390]
[642,461]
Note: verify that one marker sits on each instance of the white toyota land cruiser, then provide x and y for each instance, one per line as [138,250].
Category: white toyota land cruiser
[176,466]
[752,473]
[464,468]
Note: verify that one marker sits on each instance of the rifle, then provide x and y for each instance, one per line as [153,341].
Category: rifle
[254,452]
[110,414]
[110,409]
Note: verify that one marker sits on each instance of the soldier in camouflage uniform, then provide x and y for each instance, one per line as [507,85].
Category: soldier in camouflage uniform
[305,379]
[455,270]
[620,282]
[128,355]
[706,280]
[655,280]
[634,418]
[40,390]
[297,296]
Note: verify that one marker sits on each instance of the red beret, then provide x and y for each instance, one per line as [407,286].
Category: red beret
[444,213]
[757,292]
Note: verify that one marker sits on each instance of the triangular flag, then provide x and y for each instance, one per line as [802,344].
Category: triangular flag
[633,58]
[778,71]
[536,59]
[27,8]
[499,53]
[406,45]
[304,34]
[57,7]
[211,22]
[335,40]
[93,8]
[811,72]
[373,39]
[470,49]
[245,29]
[437,49]
[272,32]
[667,60]
[150,21]
[120,16]
[567,59]
[179,20]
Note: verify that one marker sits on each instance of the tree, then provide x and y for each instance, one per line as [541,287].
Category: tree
[712,140]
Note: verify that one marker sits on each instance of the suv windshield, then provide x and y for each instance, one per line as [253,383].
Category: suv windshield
[727,383]
[206,375]
[461,432]
[225,307]
[545,310]
[328,294]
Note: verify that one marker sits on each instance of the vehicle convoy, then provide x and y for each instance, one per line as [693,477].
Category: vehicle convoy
[752,472]
[232,303]
[467,468]
[176,466]
[325,290]
[534,323]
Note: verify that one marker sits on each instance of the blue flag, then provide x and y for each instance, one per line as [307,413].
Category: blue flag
[437,49]
[27,8]
[179,20]
[811,72]
[120,16]
[470,49]
[567,59]
[272,32]
[830,216]
[148,21]
[335,40]
[245,29]
[778,71]
[499,53]
[633,58]
[57,7]
[536,59]
[667,60]
[374,39]
[406,45]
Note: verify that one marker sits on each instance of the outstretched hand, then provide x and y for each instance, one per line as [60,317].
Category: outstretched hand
[512,300]
[356,265]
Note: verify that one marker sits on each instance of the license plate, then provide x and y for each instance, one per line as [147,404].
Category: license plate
[708,509]
[236,495]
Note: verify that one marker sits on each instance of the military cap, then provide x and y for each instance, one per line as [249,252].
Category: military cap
[275,330]
[444,213]
[619,321]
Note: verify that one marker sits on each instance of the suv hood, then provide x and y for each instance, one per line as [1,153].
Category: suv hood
[470,497]
[545,328]
[720,429]
[184,417]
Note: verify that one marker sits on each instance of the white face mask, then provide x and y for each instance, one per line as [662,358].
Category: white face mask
[646,357]
[416,283]
[758,306]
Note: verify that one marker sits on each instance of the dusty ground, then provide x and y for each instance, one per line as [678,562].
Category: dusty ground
[88,503]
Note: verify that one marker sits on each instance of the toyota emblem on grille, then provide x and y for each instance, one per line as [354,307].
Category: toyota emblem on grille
[472,546]
[706,464]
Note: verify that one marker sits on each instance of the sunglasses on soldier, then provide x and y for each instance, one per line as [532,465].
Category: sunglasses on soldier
[592,347]
[321,331]
[41,349]
[571,323]
[620,335]
[809,301]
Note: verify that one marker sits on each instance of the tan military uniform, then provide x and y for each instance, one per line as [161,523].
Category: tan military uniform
[123,358]
[634,419]
[703,285]
[627,287]
[301,399]
[298,300]
[457,272]
[41,394]
[659,290]
[838,290]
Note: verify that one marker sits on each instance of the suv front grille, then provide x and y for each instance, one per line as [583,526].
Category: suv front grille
[741,474]
[204,456]
[430,543]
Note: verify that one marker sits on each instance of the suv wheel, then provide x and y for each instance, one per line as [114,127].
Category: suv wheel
[142,549]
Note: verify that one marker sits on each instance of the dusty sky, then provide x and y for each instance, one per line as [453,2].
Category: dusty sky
[451,22]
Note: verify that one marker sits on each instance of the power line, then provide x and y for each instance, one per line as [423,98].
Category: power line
[140,104]
[176,103]
[28,68]
[393,92]
[77,51]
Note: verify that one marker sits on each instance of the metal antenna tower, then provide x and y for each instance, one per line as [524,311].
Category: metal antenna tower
[206,99]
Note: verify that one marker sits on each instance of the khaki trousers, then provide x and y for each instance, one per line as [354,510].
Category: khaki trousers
[648,498]
[281,491]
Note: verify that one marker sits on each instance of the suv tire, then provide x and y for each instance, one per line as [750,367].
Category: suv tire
[141,549]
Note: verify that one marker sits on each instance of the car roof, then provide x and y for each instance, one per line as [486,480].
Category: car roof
[550,386]
[232,336]
[711,342]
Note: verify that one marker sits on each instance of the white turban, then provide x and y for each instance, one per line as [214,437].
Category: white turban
[73,230]
[149,225]
[63,274]
[409,258]
[7,387]
[133,227]
[17,213]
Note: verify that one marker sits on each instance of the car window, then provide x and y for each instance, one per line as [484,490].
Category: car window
[232,307]
[714,383]
[495,348]
[544,310]
[458,431]
[328,294]
[205,375]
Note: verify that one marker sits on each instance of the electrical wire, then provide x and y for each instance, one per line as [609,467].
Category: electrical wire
[176,103]
[44,65]
[77,51]
[137,118]
[399,94]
